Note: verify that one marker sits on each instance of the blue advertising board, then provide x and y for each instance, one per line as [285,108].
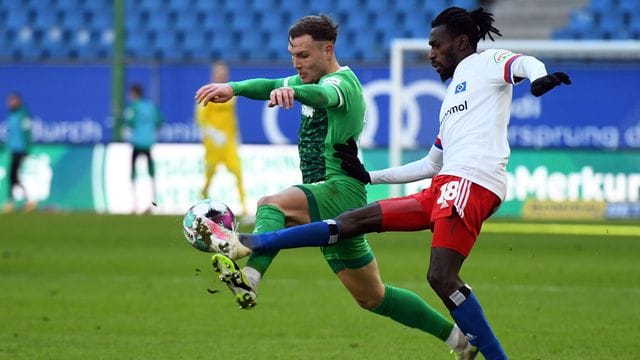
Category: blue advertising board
[71,104]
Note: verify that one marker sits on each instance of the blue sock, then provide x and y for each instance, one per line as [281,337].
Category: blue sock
[470,319]
[314,234]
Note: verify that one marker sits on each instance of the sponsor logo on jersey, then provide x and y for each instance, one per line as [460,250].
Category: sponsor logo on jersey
[332,81]
[462,87]
[454,109]
[500,55]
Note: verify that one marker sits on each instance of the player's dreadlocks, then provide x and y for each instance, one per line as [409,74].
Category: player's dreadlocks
[475,24]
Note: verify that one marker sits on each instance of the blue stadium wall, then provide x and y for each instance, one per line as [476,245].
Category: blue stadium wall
[71,104]
[575,151]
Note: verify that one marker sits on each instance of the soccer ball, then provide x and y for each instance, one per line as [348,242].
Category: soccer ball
[214,211]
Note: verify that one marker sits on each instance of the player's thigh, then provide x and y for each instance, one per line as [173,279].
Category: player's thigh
[329,199]
[407,213]
[459,217]
[292,202]
[364,284]
[213,156]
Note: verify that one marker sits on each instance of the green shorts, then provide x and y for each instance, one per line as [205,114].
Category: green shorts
[329,199]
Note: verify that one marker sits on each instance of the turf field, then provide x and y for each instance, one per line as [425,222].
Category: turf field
[129,287]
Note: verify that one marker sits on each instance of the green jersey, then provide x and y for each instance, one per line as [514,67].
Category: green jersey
[321,128]
[333,110]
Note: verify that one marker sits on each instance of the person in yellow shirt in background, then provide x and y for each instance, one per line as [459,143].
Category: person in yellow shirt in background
[218,125]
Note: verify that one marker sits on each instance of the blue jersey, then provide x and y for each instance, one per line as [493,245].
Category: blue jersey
[18,130]
[144,119]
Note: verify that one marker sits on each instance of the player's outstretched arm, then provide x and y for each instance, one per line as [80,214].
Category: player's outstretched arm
[533,69]
[256,89]
[214,92]
[421,169]
[314,95]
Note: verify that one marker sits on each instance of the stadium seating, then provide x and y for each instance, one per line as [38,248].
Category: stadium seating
[603,19]
[202,30]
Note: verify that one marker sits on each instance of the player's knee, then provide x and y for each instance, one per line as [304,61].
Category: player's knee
[369,301]
[443,284]
[267,200]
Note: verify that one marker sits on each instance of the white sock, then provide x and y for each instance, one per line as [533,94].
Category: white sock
[456,340]
[253,276]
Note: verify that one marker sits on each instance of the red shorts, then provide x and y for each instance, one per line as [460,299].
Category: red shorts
[452,208]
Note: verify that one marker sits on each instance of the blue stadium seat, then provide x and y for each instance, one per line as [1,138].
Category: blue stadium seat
[67,4]
[387,21]
[611,23]
[72,20]
[237,5]
[265,6]
[17,19]
[215,21]
[242,20]
[102,20]
[408,5]
[581,21]
[277,46]
[226,45]
[187,21]
[138,45]
[353,6]
[418,21]
[222,41]
[344,45]
[195,41]
[252,40]
[104,43]
[436,6]
[634,26]
[465,4]
[599,7]
[205,6]
[45,19]
[381,6]
[324,6]
[367,45]
[360,22]
[629,6]
[152,6]
[159,22]
[179,6]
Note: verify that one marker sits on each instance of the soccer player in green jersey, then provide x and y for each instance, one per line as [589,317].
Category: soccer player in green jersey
[333,111]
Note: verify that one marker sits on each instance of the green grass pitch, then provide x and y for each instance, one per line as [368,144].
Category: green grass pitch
[82,286]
